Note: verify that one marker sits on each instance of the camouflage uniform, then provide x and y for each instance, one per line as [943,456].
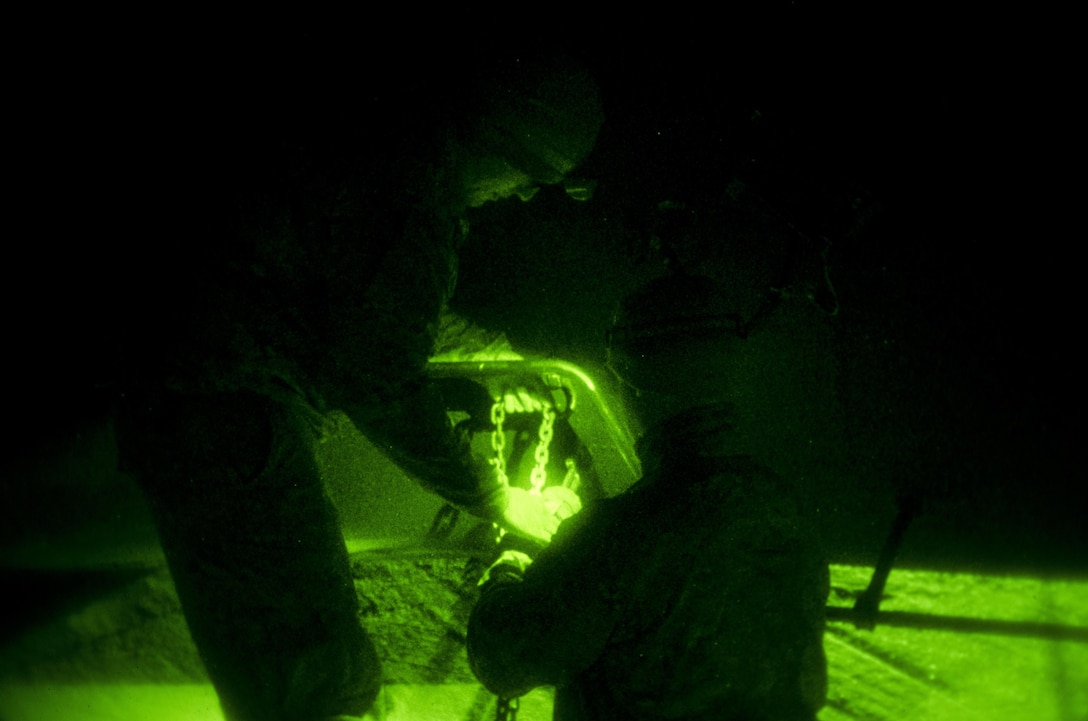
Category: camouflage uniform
[304,279]
[329,300]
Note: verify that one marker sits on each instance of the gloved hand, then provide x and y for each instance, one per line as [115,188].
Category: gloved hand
[508,567]
[516,550]
[538,516]
[514,554]
[561,501]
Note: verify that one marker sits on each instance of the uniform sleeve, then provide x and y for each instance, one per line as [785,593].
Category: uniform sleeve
[414,432]
[379,328]
[550,624]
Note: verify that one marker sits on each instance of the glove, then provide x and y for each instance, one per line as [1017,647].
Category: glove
[516,552]
[561,502]
[538,516]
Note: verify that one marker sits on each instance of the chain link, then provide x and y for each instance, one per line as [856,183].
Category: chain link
[539,475]
[506,709]
[498,440]
[498,459]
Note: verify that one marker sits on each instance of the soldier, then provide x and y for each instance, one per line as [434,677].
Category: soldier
[311,279]
[699,592]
